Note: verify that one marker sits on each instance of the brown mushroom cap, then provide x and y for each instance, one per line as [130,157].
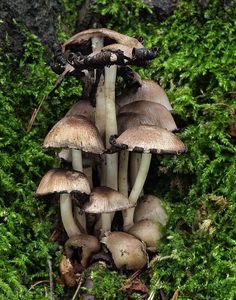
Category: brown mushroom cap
[82,108]
[147,231]
[86,35]
[149,91]
[149,139]
[126,120]
[105,200]
[126,250]
[87,243]
[75,132]
[149,207]
[63,181]
[156,112]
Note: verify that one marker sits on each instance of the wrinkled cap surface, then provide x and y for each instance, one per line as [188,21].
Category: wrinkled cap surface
[156,112]
[82,108]
[106,200]
[149,139]
[63,181]
[149,90]
[75,132]
[127,251]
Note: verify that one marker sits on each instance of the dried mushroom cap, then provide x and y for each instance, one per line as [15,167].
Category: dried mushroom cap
[86,35]
[87,243]
[126,250]
[149,139]
[126,120]
[149,207]
[75,132]
[105,200]
[68,272]
[82,108]
[63,181]
[156,112]
[149,90]
[147,231]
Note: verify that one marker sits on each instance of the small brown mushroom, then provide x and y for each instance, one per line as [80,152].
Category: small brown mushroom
[147,231]
[127,251]
[85,243]
[149,207]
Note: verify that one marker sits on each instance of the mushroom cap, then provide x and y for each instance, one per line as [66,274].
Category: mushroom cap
[75,132]
[112,35]
[149,139]
[82,108]
[126,120]
[126,250]
[156,112]
[105,200]
[63,181]
[149,90]
[149,207]
[89,244]
[147,231]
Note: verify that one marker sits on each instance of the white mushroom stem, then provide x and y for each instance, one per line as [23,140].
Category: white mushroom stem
[135,160]
[77,164]
[123,172]
[66,215]
[111,129]
[137,188]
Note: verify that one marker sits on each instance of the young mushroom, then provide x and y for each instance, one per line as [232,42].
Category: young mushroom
[127,251]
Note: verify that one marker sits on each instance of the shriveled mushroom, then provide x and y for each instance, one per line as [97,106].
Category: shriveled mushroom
[85,244]
[150,207]
[67,271]
[64,182]
[127,251]
[147,231]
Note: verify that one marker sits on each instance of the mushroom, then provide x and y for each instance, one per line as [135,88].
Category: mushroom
[147,231]
[149,207]
[64,182]
[145,139]
[126,250]
[84,243]
[149,90]
[106,200]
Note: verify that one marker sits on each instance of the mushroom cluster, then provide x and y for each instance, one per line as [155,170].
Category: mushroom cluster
[107,143]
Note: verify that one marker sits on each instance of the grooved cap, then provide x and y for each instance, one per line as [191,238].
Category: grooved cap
[149,90]
[105,200]
[149,139]
[156,112]
[63,181]
[75,132]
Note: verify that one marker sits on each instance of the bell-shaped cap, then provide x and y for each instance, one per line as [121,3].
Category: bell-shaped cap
[149,139]
[75,132]
[82,108]
[105,200]
[86,244]
[149,90]
[156,112]
[127,120]
[149,207]
[109,35]
[63,181]
[147,231]
[126,250]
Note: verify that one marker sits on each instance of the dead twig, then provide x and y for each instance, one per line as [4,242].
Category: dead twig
[37,283]
[50,279]
[79,286]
